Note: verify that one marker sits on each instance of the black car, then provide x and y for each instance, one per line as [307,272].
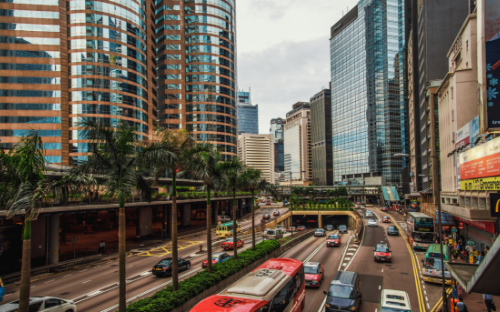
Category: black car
[392,230]
[344,293]
[164,267]
[342,229]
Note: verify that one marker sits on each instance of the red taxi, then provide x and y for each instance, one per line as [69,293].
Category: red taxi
[313,274]
[386,219]
[216,258]
[382,253]
[228,244]
[301,228]
[333,240]
[384,209]
[276,213]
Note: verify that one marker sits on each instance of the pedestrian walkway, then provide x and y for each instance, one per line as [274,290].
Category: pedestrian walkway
[475,303]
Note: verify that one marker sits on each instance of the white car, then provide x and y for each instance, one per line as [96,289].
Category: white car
[368,213]
[39,304]
[281,228]
[372,222]
[394,300]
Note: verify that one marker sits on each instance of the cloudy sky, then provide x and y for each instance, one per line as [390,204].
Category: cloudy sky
[283,51]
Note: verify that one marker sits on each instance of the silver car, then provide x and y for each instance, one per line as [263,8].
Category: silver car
[372,222]
[320,232]
[52,304]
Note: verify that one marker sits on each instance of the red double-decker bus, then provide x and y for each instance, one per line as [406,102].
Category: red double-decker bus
[278,285]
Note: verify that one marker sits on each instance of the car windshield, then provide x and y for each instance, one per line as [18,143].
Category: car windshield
[333,237]
[393,228]
[215,258]
[371,220]
[433,264]
[165,262]
[230,240]
[311,270]
[320,230]
[423,237]
[345,292]
[271,232]
[342,227]
[381,249]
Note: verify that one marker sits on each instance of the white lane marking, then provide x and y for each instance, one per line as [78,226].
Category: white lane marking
[9,294]
[145,273]
[361,244]
[426,299]
[83,270]
[86,281]
[425,292]
[313,253]
[428,306]
[347,259]
[349,254]
[67,275]
[94,293]
[352,249]
[322,307]
[150,290]
[379,287]
[382,271]
[344,264]
[49,281]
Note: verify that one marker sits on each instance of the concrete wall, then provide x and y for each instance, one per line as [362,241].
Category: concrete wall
[145,224]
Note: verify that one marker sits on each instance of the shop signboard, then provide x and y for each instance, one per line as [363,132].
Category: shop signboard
[495,204]
[485,226]
[446,219]
[488,33]
[481,161]
[460,225]
[482,184]
[462,138]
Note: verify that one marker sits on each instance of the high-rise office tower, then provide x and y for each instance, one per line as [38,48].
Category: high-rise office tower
[63,60]
[367,90]
[248,114]
[298,158]
[196,70]
[277,130]
[321,138]
[257,151]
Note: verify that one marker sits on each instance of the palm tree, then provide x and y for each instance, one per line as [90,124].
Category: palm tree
[181,147]
[250,180]
[233,181]
[209,167]
[120,158]
[25,165]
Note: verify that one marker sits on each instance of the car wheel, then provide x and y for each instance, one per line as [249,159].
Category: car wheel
[188,266]
[69,311]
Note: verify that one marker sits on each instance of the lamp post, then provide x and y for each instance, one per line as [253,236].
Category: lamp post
[435,191]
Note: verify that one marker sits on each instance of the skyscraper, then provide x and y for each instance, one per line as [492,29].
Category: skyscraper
[257,151]
[277,130]
[64,60]
[196,70]
[321,134]
[367,90]
[248,114]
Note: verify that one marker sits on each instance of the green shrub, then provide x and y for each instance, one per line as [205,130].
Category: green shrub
[165,300]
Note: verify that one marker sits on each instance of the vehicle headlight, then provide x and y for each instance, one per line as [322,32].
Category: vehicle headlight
[327,305]
[352,308]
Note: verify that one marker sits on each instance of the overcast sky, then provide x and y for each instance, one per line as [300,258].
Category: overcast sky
[283,51]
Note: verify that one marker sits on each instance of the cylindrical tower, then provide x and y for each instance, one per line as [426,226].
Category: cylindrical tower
[196,39]
[111,67]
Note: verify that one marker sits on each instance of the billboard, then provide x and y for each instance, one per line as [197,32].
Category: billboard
[495,204]
[489,64]
[482,184]
[481,161]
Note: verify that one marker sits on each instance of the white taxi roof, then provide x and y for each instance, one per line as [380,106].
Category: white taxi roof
[396,299]
[257,283]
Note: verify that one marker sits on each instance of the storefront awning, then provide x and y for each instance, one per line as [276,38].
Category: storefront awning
[483,278]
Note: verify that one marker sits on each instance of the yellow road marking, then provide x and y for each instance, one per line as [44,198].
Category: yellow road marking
[167,249]
[440,301]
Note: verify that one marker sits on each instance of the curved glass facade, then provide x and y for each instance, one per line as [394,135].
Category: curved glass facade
[196,65]
[108,65]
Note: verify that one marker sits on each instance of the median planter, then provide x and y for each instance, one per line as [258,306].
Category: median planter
[204,284]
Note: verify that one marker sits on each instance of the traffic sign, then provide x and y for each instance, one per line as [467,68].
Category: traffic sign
[74,239]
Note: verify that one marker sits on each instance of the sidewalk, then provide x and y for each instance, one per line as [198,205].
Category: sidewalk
[475,303]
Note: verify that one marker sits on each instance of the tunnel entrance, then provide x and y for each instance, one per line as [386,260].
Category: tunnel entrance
[335,221]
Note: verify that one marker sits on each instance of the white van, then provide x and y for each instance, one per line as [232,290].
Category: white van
[394,301]
[224,218]
[273,234]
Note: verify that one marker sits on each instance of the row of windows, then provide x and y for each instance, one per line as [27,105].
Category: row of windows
[167,37]
[31,14]
[170,106]
[132,15]
[23,132]
[108,110]
[30,119]
[33,67]
[30,40]
[211,40]
[30,106]
[168,17]
[30,93]
[168,87]
[45,2]
[210,98]
[199,9]
[169,77]
[98,96]
[107,34]
[167,27]
[210,78]
[167,8]
[112,121]
[108,59]
[108,84]
[80,134]
[168,116]
[108,71]
[209,49]
[23,53]
[107,46]
[219,3]
[211,108]
[111,21]
[168,47]
[202,58]
[30,27]
[209,69]
[211,128]
[169,67]
[211,118]
[31,80]
[169,57]
[170,97]
[189,29]
[210,88]
[200,19]
[215,138]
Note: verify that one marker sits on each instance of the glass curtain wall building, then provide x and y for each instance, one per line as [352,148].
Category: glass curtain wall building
[321,132]
[277,130]
[367,90]
[65,60]
[196,71]
[248,118]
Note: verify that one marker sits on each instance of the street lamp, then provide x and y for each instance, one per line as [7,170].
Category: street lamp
[435,191]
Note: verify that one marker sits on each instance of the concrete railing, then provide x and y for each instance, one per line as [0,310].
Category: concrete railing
[233,278]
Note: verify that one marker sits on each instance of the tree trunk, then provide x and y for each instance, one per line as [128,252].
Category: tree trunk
[235,227]
[175,253]
[122,250]
[209,231]
[24,291]
[253,220]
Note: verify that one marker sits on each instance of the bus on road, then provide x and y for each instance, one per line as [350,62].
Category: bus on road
[277,285]
[419,230]
[269,200]
[433,268]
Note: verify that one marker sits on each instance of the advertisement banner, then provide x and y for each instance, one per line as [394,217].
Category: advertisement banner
[489,63]
[465,135]
[481,161]
[483,184]
[495,205]
[485,226]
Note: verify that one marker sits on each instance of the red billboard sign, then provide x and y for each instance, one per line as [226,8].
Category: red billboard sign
[486,226]
[481,161]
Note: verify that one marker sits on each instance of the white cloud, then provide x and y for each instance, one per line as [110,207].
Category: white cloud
[283,51]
